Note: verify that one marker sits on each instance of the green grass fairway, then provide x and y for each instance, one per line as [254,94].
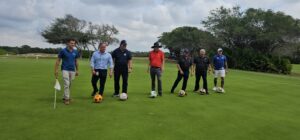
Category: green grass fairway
[256,106]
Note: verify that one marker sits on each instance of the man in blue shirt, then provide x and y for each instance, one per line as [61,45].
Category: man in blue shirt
[69,67]
[220,68]
[123,65]
[99,63]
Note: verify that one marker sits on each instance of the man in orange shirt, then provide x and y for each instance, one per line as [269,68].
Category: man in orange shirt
[156,66]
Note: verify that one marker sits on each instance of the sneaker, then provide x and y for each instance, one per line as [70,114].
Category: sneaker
[67,101]
[222,90]
[160,94]
[215,89]
[93,94]
[115,95]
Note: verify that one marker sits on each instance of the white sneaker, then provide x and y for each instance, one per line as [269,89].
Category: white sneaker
[222,90]
[215,89]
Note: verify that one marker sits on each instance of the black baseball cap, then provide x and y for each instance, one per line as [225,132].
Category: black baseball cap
[123,42]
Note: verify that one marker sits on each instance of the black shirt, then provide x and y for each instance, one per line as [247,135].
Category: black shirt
[202,63]
[121,58]
[185,63]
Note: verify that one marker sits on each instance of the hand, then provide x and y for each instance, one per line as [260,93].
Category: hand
[129,70]
[192,74]
[93,72]
[110,74]
[226,71]
[77,73]
[181,72]
[56,74]
[162,69]
[148,70]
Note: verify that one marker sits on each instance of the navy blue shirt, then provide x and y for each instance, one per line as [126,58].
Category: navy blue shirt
[121,58]
[219,62]
[68,59]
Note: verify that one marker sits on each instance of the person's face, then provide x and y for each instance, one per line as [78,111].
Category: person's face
[71,44]
[202,53]
[156,49]
[123,46]
[102,48]
[220,52]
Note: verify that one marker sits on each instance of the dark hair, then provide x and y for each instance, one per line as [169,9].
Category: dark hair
[101,43]
[71,39]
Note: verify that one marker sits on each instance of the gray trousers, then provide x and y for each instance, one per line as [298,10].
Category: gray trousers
[68,77]
[156,72]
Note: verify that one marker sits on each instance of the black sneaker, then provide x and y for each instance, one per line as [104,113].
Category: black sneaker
[172,91]
[93,94]
[115,95]
[160,94]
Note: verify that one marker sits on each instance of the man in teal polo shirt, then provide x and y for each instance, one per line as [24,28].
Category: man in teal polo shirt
[69,67]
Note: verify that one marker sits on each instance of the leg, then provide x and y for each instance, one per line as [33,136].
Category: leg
[158,73]
[125,81]
[66,78]
[185,80]
[222,78]
[94,81]
[178,79]
[204,77]
[197,81]
[152,74]
[102,75]
[117,75]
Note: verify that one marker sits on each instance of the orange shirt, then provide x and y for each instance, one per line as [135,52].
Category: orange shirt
[156,58]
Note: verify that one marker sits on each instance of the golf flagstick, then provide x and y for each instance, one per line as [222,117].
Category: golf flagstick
[57,88]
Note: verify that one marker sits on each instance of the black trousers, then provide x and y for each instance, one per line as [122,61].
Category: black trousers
[185,77]
[118,72]
[102,74]
[200,74]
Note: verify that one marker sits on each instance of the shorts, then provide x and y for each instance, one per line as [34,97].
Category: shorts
[220,73]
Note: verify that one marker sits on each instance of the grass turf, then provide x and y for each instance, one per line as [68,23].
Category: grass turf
[256,106]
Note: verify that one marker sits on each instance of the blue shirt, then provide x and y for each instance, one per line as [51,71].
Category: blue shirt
[219,62]
[68,59]
[121,58]
[101,60]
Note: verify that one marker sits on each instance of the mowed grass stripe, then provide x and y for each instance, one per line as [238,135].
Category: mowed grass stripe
[255,106]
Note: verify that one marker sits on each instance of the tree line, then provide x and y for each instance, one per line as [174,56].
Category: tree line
[253,39]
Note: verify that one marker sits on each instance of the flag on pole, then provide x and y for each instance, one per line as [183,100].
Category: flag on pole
[57,88]
[57,85]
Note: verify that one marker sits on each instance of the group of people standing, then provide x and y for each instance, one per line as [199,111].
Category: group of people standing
[119,64]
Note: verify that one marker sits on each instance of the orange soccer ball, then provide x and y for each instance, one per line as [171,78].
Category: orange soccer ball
[97,98]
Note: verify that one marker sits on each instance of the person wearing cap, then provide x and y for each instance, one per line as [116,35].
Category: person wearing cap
[220,69]
[99,63]
[183,65]
[156,66]
[200,65]
[123,65]
[69,67]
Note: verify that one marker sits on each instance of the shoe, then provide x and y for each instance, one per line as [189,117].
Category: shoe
[93,94]
[160,94]
[67,101]
[222,90]
[215,89]
[172,91]
[115,95]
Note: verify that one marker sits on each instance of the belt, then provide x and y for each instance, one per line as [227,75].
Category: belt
[155,67]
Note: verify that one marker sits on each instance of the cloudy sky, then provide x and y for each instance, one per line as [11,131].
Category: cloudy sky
[140,22]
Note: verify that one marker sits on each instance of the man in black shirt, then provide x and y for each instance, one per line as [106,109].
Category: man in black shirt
[183,66]
[201,65]
[123,65]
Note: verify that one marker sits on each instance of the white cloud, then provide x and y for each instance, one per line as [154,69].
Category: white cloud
[140,22]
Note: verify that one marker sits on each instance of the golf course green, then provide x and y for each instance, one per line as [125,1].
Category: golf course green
[256,106]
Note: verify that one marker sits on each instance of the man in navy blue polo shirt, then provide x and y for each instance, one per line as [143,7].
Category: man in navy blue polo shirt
[99,63]
[123,65]
[220,69]
[69,67]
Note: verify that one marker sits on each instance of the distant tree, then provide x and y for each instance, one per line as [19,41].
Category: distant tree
[190,38]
